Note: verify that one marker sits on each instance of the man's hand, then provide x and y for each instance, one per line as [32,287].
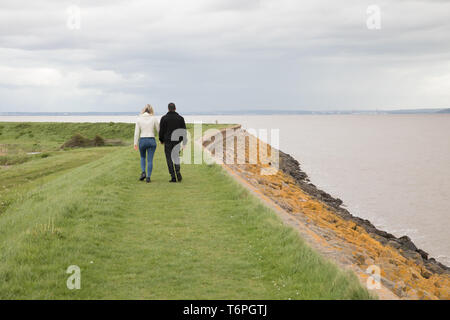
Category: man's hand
[136,147]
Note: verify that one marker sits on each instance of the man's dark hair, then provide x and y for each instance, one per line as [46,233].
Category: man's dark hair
[172,106]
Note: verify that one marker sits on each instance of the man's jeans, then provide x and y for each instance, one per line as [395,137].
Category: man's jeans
[147,146]
[173,148]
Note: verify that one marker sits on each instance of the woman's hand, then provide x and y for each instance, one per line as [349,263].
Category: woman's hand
[136,147]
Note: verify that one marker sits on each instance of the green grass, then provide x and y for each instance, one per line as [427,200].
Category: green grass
[205,238]
[17,179]
[55,134]
[19,139]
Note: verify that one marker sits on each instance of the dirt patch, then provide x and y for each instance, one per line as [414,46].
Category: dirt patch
[3,150]
[114,142]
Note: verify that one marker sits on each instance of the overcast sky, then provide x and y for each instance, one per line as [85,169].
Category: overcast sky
[215,55]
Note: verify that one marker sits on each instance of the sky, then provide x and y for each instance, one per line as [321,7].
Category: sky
[223,55]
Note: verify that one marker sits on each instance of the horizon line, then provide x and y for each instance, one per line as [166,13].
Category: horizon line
[246,112]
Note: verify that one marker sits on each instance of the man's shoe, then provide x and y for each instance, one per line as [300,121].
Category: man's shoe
[143,175]
[173,180]
[179,177]
[148,180]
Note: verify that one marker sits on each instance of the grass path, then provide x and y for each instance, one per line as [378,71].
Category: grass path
[16,180]
[204,238]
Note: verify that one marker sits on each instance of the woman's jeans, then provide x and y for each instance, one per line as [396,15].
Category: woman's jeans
[147,146]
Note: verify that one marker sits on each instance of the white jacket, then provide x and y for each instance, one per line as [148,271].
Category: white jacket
[147,126]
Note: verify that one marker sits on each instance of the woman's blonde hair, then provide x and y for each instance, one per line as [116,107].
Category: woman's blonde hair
[149,109]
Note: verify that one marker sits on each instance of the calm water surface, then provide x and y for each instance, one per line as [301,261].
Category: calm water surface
[391,169]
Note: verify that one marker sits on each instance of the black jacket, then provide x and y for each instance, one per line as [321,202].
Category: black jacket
[168,124]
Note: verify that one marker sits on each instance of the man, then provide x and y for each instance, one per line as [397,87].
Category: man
[172,133]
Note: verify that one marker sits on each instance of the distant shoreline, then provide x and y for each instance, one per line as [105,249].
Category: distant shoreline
[243,112]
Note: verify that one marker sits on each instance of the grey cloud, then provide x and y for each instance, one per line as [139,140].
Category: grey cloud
[225,55]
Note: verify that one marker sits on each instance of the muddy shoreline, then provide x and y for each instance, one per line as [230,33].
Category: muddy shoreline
[407,248]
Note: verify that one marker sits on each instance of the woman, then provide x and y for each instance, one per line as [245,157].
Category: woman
[147,126]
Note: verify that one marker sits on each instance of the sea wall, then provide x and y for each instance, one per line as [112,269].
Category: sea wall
[349,241]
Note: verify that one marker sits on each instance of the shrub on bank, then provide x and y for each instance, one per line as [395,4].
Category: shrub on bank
[80,141]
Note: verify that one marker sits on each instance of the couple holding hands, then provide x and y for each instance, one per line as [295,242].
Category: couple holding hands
[171,131]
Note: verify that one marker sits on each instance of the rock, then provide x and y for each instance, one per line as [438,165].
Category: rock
[382,240]
[360,259]
[388,283]
[400,289]
[394,244]
[434,268]
[393,262]
[384,234]
[412,294]
[423,254]
[285,206]
[407,243]
[427,296]
[444,267]
[425,273]
[411,255]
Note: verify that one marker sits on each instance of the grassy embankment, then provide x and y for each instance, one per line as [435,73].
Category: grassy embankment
[204,238]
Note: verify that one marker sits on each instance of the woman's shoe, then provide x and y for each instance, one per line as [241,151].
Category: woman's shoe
[148,180]
[143,175]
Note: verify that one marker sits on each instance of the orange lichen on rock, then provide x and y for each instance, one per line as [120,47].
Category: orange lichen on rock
[407,278]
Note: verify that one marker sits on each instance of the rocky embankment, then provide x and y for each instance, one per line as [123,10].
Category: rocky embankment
[404,244]
[352,242]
